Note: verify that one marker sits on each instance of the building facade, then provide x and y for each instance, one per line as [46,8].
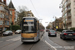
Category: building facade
[4,16]
[12,12]
[68,13]
[29,14]
[59,23]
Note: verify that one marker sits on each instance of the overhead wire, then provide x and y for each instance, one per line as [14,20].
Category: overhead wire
[34,7]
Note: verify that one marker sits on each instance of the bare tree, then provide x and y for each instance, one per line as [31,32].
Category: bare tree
[21,13]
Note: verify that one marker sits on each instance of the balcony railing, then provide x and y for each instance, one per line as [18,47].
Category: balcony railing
[69,14]
[69,21]
[68,2]
[6,16]
[68,9]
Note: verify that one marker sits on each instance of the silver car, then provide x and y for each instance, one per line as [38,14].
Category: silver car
[52,33]
[7,33]
[18,32]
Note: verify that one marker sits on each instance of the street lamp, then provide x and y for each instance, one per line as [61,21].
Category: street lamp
[55,20]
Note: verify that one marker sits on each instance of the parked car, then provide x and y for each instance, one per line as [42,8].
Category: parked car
[7,33]
[67,34]
[18,32]
[52,33]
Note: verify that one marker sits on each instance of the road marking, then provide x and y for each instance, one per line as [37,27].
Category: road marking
[3,37]
[1,41]
[14,39]
[50,45]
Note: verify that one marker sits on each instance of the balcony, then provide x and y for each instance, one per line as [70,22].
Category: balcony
[68,9]
[68,2]
[69,15]
[1,8]
[68,21]
[7,17]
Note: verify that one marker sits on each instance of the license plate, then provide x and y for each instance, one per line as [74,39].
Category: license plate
[70,34]
[52,34]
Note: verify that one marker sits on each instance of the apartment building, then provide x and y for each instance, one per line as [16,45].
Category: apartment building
[29,14]
[68,13]
[4,16]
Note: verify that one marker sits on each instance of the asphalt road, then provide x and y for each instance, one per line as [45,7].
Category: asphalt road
[46,43]
[67,44]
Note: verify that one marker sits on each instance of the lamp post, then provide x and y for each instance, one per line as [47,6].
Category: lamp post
[54,21]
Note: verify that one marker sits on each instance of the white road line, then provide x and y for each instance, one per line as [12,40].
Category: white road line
[50,45]
[1,41]
[3,37]
[42,38]
[14,39]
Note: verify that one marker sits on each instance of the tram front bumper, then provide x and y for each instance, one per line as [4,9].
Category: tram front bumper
[29,39]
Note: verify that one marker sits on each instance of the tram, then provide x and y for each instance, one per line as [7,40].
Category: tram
[30,29]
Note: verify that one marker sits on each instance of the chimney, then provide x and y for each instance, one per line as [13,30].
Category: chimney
[0,0]
[4,1]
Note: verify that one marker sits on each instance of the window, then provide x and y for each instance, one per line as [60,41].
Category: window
[11,12]
[6,22]
[1,15]
[1,8]
[1,22]
[6,16]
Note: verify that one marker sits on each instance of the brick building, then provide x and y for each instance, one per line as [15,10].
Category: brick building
[12,12]
[5,15]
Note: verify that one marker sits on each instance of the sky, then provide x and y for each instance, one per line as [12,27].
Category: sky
[42,9]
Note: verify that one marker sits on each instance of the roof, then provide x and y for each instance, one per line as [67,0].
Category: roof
[11,5]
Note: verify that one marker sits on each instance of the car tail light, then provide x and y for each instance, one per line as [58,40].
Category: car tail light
[65,33]
[73,33]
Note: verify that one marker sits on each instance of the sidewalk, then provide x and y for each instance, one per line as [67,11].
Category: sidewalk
[1,35]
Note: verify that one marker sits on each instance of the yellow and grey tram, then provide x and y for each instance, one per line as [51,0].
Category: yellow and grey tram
[30,29]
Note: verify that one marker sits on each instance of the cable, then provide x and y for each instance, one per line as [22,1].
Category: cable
[34,8]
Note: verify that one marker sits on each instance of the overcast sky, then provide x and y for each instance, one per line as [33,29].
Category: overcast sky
[42,9]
